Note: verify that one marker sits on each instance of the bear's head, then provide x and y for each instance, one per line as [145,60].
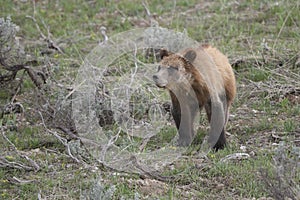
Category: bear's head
[173,69]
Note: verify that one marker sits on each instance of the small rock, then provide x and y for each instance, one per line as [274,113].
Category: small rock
[243,148]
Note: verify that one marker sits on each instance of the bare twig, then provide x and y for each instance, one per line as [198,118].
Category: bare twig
[50,42]
[61,139]
[146,6]
[280,183]
[103,33]
[68,132]
[16,165]
[6,163]
[235,156]
[281,28]
[150,173]
[20,181]
[109,144]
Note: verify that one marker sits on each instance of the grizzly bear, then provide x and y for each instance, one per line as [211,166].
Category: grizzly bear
[196,78]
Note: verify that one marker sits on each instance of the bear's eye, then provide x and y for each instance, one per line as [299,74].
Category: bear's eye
[158,68]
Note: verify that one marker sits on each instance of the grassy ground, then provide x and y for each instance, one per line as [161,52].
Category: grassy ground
[261,39]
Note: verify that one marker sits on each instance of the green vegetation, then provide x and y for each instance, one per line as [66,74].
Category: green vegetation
[261,39]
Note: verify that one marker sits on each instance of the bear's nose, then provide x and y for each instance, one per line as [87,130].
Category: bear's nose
[155,77]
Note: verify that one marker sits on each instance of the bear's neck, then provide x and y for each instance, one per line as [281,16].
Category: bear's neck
[185,93]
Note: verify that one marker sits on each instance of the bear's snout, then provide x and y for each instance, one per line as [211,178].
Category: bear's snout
[159,82]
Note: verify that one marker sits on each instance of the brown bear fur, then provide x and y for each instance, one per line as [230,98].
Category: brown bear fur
[196,78]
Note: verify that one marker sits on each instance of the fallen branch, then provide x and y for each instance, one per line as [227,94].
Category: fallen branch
[146,172]
[16,180]
[235,156]
[50,43]
[61,139]
[16,165]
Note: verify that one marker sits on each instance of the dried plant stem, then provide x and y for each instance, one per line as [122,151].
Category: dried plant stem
[5,163]
[61,139]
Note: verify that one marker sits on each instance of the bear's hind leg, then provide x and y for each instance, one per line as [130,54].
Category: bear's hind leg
[221,143]
[222,139]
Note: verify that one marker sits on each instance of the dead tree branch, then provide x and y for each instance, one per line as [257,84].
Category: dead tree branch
[50,42]
[4,162]
[61,139]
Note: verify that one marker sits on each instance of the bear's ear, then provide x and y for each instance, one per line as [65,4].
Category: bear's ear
[163,53]
[190,55]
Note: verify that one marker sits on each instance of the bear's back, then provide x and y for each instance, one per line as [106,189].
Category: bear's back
[215,69]
[224,68]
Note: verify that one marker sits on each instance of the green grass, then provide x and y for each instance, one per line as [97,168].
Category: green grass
[240,29]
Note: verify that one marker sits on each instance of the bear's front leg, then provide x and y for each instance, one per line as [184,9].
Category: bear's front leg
[184,109]
[216,116]
[184,119]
